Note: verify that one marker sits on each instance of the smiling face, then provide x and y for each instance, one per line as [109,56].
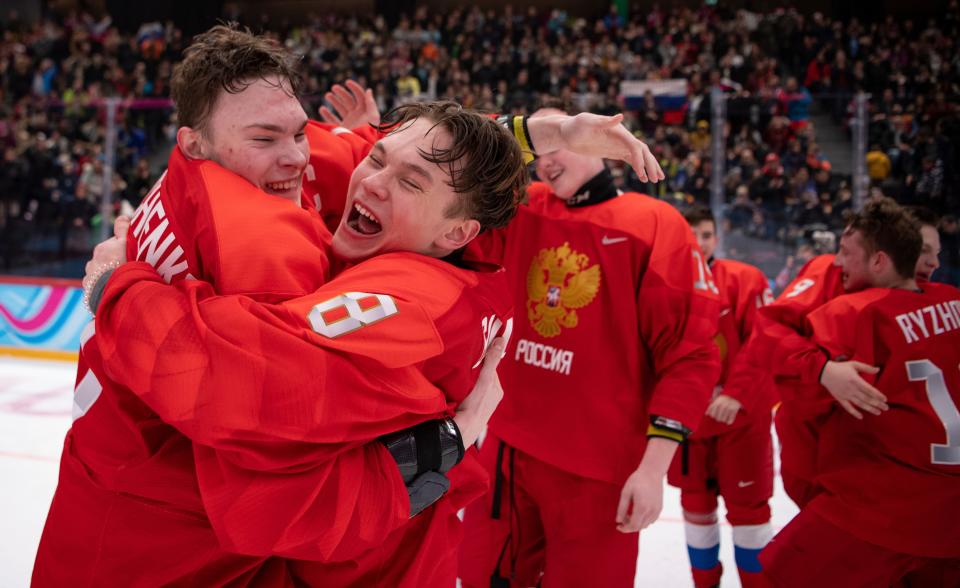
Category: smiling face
[399,201]
[565,171]
[854,261]
[880,247]
[257,133]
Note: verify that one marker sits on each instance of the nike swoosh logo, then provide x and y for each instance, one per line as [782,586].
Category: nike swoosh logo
[725,312]
[743,484]
[612,240]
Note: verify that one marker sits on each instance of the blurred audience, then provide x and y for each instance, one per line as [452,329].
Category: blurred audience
[55,76]
[779,190]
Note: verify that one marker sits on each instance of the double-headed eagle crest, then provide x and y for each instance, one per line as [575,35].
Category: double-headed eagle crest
[558,283]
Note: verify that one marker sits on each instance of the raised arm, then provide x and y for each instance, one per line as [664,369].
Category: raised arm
[585,133]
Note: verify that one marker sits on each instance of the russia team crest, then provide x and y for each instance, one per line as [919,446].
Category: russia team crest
[560,281]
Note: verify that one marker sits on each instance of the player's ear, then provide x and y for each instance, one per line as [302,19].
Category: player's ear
[880,261]
[458,234]
[190,142]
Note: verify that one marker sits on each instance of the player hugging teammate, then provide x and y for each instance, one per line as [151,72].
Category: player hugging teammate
[610,369]
[860,332]
[883,484]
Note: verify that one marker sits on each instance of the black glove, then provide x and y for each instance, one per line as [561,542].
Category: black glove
[430,446]
[424,453]
[426,489]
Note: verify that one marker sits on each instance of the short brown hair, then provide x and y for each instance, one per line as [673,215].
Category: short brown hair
[484,160]
[923,215]
[227,59]
[886,226]
[699,214]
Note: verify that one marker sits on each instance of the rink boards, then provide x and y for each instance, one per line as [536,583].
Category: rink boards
[41,318]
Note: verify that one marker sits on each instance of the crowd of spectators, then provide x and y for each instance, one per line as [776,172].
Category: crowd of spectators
[913,76]
[782,193]
[55,76]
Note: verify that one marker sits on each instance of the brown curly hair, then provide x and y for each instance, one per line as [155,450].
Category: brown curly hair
[886,226]
[227,59]
[484,160]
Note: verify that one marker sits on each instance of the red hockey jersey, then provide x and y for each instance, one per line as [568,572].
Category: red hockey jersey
[199,221]
[770,358]
[744,290]
[779,334]
[281,465]
[203,222]
[781,328]
[894,479]
[334,153]
[616,315]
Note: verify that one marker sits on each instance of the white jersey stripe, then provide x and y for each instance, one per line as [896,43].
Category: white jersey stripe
[87,332]
[87,392]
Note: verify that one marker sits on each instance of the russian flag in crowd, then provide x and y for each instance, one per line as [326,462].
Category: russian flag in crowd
[669,95]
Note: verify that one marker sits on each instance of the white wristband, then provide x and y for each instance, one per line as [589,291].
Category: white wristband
[90,282]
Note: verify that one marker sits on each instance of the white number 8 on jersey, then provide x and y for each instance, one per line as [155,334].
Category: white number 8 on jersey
[356,317]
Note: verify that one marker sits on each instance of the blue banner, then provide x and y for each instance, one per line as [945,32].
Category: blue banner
[41,317]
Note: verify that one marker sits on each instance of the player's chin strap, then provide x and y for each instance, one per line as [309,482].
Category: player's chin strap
[425,453]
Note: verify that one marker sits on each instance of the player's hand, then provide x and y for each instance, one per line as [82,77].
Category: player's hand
[121,227]
[604,136]
[477,408]
[596,136]
[842,379]
[354,104]
[112,252]
[724,408]
[641,500]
